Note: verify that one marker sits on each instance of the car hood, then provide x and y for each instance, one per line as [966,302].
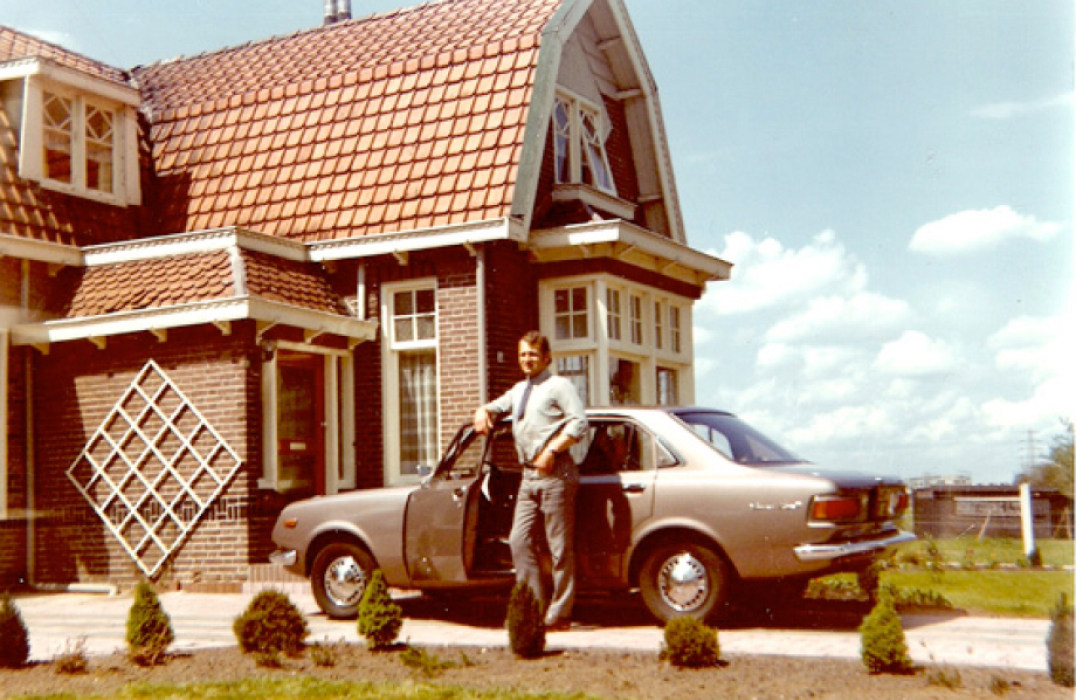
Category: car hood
[382,495]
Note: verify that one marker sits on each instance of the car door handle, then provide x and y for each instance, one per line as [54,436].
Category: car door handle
[458,493]
[633,488]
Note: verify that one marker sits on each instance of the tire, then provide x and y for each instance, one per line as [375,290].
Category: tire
[684,580]
[339,577]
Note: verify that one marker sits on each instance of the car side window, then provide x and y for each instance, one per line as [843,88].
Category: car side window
[716,438]
[617,446]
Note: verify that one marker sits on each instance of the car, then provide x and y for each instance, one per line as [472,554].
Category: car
[690,507]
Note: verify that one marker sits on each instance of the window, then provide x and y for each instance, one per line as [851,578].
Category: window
[570,319]
[666,387]
[624,382]
[412,415]
[635,318]
[674,329]
[605,340]
[79,134]
[659,327]
[612,310]
[579,145]
[577,369]
[78,145]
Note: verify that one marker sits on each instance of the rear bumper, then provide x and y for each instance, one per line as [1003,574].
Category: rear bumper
[831,552]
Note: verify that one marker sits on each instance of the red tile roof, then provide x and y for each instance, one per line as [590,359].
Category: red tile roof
[16,45]
[157,283]
[399,121]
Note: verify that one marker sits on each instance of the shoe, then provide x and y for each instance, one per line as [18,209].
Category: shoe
[560,625]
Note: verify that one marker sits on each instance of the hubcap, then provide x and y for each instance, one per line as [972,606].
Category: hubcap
[345,581]
[683,583]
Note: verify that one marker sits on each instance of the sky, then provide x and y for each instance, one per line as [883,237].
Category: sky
[892,180]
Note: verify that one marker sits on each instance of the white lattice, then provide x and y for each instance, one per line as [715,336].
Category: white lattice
[153,468]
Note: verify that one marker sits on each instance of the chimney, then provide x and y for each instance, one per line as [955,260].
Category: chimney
[337,11]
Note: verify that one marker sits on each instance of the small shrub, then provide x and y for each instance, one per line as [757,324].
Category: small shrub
[689,643]
[73,660]
[884,649]
[418,659]
[271,625]
[917,597]
[149,629]
[14,637]
[526,629]
[945,678]
[323,655]
[999,686]
[1059,643]
[869,579]
[380,619]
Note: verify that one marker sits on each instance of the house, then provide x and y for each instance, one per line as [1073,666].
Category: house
[295,266]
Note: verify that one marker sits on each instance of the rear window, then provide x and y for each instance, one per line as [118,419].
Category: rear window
[737,440]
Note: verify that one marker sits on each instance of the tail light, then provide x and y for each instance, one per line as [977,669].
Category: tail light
[837,508]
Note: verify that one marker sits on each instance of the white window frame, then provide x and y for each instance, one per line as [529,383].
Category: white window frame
[599,348]
[584,147]
[390,372]
[339,418]
[41,76]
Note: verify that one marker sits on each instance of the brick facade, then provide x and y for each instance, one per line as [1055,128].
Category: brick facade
[75,390]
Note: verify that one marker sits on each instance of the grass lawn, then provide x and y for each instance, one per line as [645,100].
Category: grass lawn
[1016,593]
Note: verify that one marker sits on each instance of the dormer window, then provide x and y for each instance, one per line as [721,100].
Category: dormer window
[579,145]
[78,142]
[78,133]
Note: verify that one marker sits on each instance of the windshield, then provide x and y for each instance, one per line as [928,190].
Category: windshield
[737,440]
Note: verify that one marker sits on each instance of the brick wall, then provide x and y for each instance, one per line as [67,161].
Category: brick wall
[511,311]
[76,386]
[13,527]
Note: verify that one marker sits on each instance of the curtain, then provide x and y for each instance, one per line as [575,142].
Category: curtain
[418,411]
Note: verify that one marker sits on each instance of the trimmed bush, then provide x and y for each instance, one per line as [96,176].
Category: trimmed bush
[884,649]
[271,625]
[526,628]
[1059,643]
[14,637]
[149,629]
[689,643]
[380,619]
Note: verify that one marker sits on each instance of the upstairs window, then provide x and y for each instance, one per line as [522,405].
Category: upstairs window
[570,317]
[78,134]
[579,145]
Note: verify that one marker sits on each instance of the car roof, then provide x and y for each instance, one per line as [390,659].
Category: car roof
[597,411]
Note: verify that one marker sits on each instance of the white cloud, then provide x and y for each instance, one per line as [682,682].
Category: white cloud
[767,274]
[915,354]
[1042,348]
[1007,110]
[862,315]
[975,230]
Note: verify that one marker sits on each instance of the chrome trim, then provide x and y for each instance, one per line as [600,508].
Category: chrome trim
[829,552]
[285,557]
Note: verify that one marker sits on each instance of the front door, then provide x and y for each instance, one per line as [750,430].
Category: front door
[301,422]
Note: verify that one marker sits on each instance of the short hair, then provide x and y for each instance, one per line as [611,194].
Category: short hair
[536,340]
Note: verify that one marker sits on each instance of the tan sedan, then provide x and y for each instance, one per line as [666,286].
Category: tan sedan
[690,506]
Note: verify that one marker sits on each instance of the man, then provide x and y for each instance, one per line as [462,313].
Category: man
[548,421]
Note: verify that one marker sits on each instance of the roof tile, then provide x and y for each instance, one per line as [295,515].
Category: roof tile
[426,73]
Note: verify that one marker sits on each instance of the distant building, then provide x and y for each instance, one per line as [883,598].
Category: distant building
[930,480]
[988,511]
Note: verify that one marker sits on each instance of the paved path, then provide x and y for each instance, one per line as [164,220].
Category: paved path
[58,621]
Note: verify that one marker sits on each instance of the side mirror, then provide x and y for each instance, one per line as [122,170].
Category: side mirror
[425,471]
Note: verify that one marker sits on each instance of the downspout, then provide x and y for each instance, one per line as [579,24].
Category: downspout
[483,343]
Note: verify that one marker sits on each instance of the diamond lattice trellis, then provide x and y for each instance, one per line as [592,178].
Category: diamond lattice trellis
[153,468]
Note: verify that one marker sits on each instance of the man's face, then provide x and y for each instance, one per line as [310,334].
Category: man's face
[531,361]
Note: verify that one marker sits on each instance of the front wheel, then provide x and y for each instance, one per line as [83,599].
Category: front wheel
[339,577]
[684,580]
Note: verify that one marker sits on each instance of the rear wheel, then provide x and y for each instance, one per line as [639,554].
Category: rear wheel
[339,577]
[684,580]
